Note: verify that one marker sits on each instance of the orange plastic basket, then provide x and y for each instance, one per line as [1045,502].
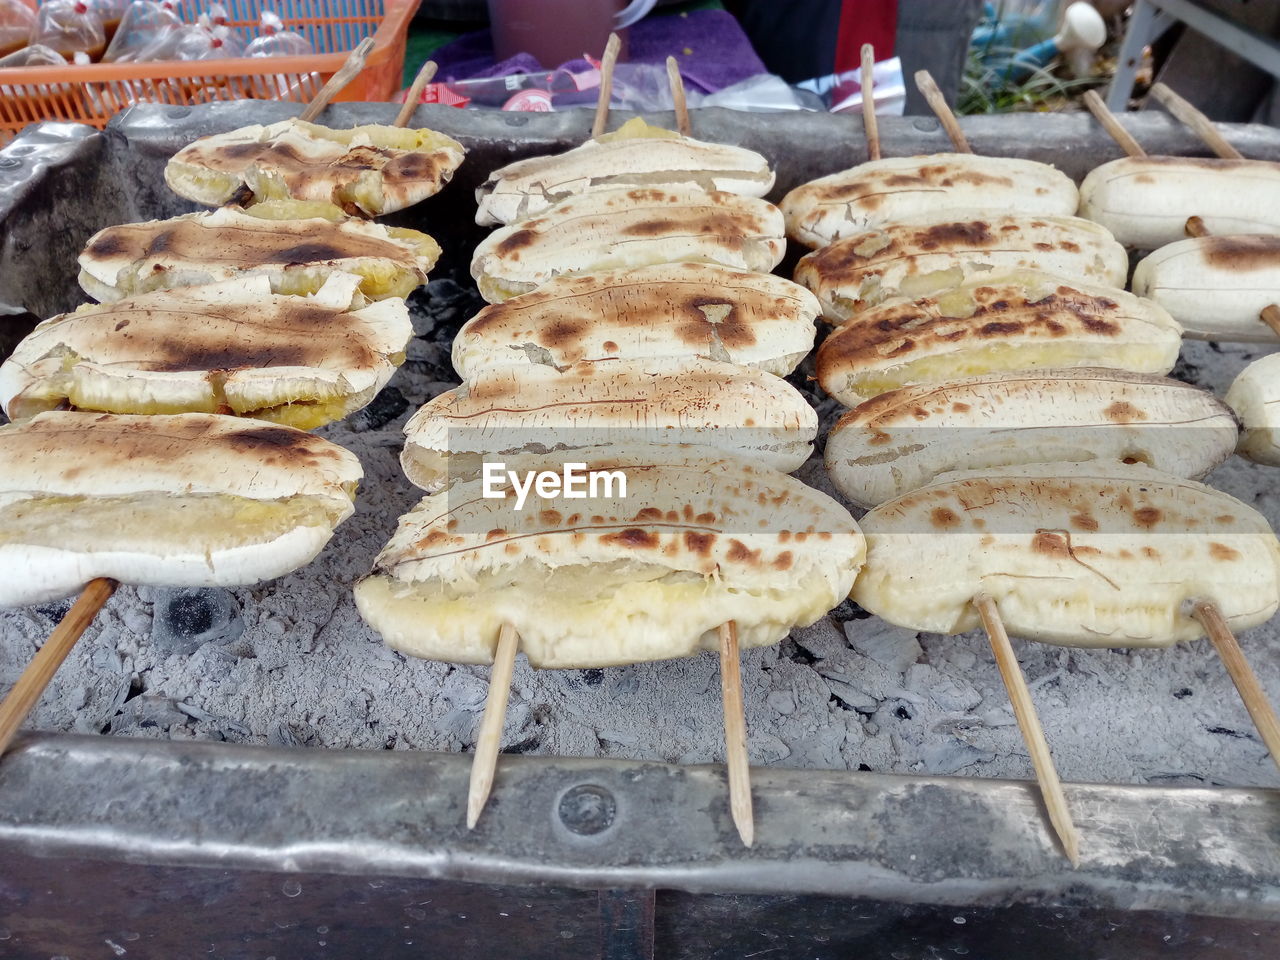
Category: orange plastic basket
[93,92]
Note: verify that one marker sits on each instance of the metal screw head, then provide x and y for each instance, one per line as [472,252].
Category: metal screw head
[926,124]
[587,809]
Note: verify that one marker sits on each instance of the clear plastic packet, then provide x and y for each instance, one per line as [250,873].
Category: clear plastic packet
[36,55]
[69,25]
[110,12]
[29,99]
[205,41]
[197,41]
[274,40]
[842,92]
[17,20]
[145,26]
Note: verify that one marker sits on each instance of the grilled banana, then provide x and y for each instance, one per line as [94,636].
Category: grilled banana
[1146,201]
[1255,397]
[1022,321]
[1216,287]
[903,439]
[1083,554]
[921,258]
[942,186]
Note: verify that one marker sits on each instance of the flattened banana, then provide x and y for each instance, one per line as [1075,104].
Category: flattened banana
[921,258]
[904,439]
[634,155]
[1082,554]
[617,229]
[1022,321]
[940,185]
[665,310]
[519,413]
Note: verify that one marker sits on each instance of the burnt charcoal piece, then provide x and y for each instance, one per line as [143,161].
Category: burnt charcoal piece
[1186,372]
[451,304]
[382,409]
[187,618]
[55,611]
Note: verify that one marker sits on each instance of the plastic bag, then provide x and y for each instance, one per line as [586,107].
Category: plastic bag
[215,43]
[842,92]
[36,55]
[17,20]
[198,41]
[110,12]
[274,40]
[30,99]
[146,26]
[69,25]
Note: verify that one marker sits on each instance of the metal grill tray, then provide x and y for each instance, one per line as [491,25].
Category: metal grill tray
[138,806]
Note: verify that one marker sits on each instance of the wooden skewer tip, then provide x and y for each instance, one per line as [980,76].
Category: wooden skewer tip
[607,63]
[489,739]
[1029,722]
[938,104]
[735,734]
[1255,699]
[344,75]
[414,94]
[22,699]
[869,123]
[678,98]
[1113,127]
[1199,124]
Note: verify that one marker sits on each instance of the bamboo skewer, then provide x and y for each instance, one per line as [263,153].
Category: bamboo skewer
[344,75]
[1242,675]
[677,96]
[1015,683]
[938,104]
[735,734]
[1029,723]
[489,739]
[425,76]
[1119,134]
[21,700]
[1200,125]
[1206,613]
[607,63]
[869,124]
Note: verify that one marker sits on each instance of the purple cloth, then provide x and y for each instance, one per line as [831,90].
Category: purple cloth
[721,55]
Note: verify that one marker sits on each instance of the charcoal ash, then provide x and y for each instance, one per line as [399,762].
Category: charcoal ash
[185,619]
[386,406]
[847,692]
